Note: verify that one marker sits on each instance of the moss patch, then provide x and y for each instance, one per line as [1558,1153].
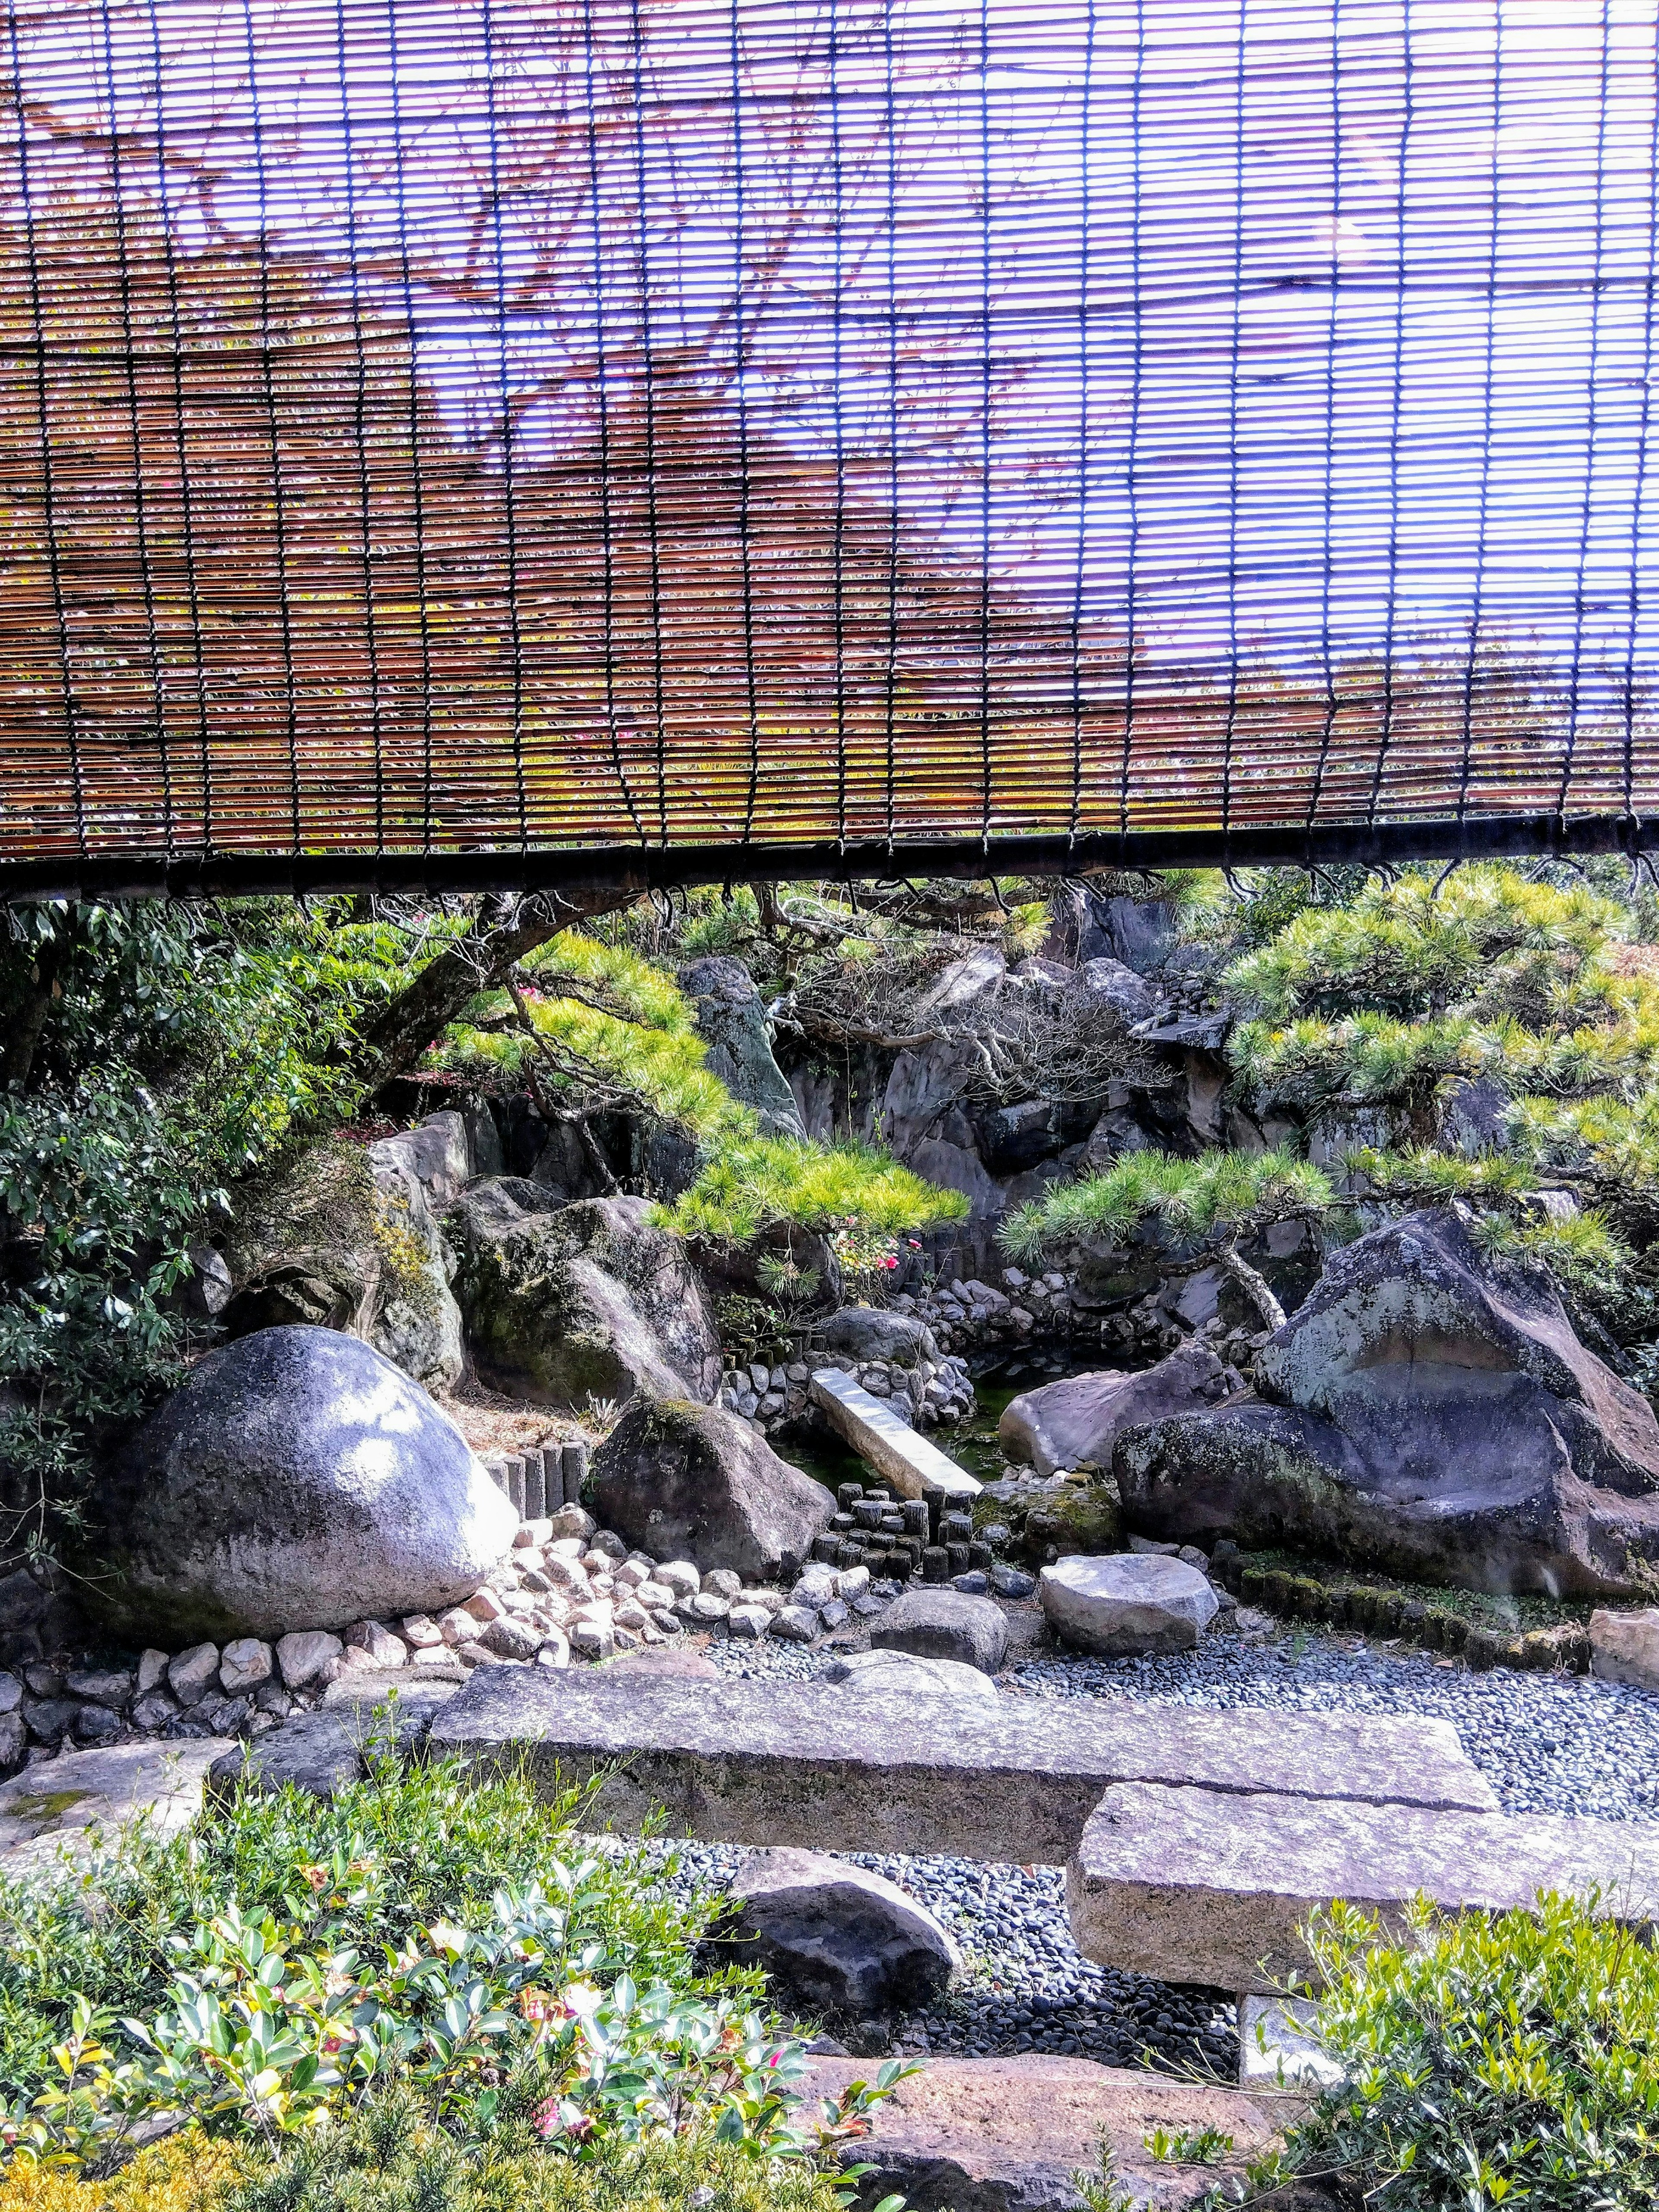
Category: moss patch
[1538,1633]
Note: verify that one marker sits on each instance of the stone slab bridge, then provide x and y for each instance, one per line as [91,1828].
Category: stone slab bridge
[1196,1844]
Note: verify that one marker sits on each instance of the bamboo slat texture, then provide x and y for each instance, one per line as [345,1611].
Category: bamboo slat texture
[474,441]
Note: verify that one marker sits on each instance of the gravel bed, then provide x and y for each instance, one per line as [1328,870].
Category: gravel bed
[1026,1986]
[1546,1743]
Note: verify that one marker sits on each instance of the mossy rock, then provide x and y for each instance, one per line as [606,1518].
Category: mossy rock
[1082,1517]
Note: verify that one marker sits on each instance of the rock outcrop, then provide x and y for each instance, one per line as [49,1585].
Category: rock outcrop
[730,1015]
[1429,1411]
[687,1481]
[417,1321]
[1080,1419]
[562,1302]
[349,1237]
[295,1480]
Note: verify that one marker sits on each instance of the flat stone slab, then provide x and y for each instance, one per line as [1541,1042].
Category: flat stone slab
[57,1808]
[1012,1780]
[1195,1885]
[913,1467]
[1007,2134]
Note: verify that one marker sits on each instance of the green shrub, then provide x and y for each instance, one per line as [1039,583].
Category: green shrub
[378,1861]
[1491,2060]
[150,1054]
[387,2156]
[458,1954]
[189,2171]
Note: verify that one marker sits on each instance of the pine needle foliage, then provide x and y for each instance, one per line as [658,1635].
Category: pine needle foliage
[610,1024]
[1481,974]
[757,1183]
[1422,943]
[1219,1196]
[1512,1217]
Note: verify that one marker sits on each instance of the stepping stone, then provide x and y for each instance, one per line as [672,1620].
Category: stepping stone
[1127,1604]
[1191,1884]
[944,1624]
[374,1704]
[915,1467]
[1010,1779]
[1007,2134]
[57,1806]
[319,1753]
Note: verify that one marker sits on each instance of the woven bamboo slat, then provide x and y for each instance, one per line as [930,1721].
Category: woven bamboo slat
[485,442]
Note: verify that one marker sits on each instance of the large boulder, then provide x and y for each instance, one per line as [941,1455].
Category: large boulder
[729,1014]
[1081,1416]
[295,1480]
[837,1937]
[687,1481]
[1428,1412]
[564,1303]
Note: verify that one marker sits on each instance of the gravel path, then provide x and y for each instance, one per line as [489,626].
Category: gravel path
[1546,1744]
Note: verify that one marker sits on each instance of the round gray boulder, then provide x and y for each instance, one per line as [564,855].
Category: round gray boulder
[1127,1605]
[295,1480]
[944,1624]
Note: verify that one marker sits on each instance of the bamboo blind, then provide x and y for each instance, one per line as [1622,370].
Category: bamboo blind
[475,441]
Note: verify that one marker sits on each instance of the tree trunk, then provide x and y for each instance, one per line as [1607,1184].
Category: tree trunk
[503,932]
[29,1022]
[1254,1286]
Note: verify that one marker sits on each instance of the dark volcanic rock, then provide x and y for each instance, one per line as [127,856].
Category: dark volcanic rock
[1436,1418]
[686,1481]
[837,1937]
[729,1013]
[295,1480]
